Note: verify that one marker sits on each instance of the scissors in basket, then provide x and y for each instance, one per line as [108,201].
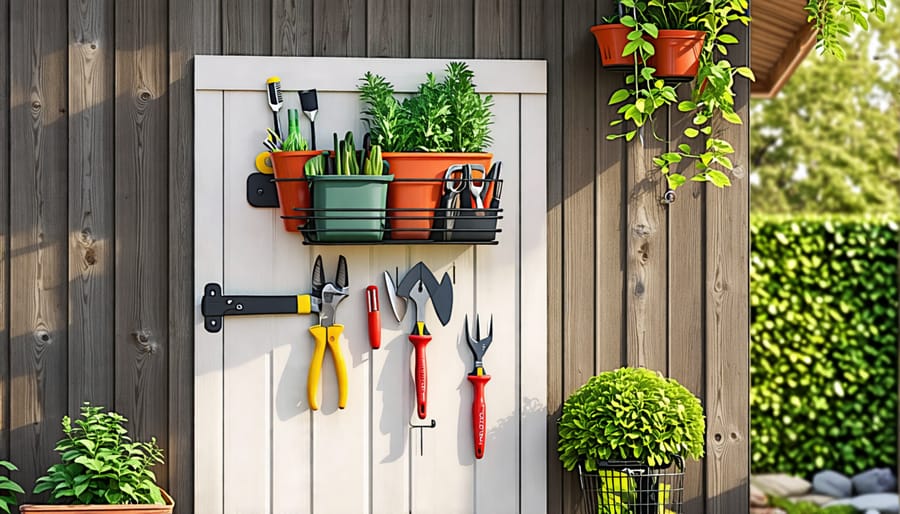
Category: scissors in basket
[462,177]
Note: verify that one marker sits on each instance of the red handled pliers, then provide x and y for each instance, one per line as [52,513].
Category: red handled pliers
[479,378]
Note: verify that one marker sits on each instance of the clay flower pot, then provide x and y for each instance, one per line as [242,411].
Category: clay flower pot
[293,194]
[611,40]
[677,54]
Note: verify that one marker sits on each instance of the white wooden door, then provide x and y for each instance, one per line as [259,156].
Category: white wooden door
[259,448]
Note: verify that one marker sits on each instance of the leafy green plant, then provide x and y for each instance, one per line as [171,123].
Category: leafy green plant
[446,116]
[630,414]
[8,488]
[101,464]
[823,354]
[834,19]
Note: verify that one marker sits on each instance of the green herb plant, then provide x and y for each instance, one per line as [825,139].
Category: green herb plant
[445,116]
[101,464]
[8,488]
[630,414]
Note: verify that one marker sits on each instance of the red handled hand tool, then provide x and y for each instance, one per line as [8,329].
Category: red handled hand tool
[479,378]
[374,315]
[420,286]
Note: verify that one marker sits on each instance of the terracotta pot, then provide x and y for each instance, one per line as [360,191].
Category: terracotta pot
[105,509]
[677,54]
[293,194]
[405,194]
[611,40]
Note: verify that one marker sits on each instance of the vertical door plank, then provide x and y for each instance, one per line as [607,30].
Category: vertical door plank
[497,29]
[647,294]
[340,438]
[727,315]
[247,27]
[5,376]
[209,229]
[686,290]
[292,27]
[443,474]
[250,269]
[442,28]
[194,28]
[141,186]
[497,295]
[38,231]
[339,28]
[610,219]
[578,211]
[533,255]
[544,39]
[91,215]
[391,390]
[387,28]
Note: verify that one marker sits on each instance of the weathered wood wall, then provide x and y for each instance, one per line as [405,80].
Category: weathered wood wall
[95,292]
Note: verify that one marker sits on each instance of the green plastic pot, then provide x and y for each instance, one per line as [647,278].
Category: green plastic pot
[349,207]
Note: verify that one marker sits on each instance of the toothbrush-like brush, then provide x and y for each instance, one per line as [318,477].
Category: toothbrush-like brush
[276,101]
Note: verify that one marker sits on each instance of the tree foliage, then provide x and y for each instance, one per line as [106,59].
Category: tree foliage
[829,141]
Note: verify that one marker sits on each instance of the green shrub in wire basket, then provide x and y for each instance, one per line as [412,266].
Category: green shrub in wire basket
[630,414]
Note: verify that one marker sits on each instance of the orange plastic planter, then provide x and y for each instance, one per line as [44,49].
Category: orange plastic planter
[292,194]
[104,509]
[677,54]
[422,195]
[611,40]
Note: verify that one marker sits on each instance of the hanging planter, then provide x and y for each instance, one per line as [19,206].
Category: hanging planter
[611,40]
[677,54]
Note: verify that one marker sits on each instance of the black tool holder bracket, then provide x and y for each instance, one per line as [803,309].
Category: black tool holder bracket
[261,190]
[215,306]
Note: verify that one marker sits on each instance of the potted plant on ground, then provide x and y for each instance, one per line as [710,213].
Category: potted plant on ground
[442,124]
[627,431]
[102,467]
[8,488]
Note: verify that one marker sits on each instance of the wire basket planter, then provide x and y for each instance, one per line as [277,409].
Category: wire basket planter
[631,487]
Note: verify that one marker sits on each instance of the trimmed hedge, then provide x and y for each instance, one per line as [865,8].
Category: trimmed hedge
[823,294]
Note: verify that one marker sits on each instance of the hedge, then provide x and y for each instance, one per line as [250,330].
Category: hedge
[823,295]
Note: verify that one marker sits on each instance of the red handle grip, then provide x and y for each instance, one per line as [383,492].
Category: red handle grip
[421,373]
[479,412]
[374,317]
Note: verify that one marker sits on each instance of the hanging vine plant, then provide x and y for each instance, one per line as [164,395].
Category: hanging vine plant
[712,90]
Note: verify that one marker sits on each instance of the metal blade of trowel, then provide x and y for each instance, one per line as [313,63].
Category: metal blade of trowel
[441,294]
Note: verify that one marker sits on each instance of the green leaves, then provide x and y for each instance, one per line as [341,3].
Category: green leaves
[823,343]
[630,413]
[100,463]
[441,117]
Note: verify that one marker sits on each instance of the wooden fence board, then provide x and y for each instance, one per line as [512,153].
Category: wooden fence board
[578,231]
[5,377]
[339,28]
[442,28]
[247,27]
[387,28]
[38,229]
[196,29]
[687,301]
[728,315]
[91,216]
[609,318]
[498,29]
[292,27]
[141,211]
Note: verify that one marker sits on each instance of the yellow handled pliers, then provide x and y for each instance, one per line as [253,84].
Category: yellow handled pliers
[323,300]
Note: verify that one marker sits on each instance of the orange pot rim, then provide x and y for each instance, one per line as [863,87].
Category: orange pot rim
[297,153]
[608,26]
